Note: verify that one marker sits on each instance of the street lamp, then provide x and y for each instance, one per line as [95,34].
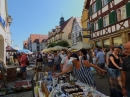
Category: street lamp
[87,29]
[9,20]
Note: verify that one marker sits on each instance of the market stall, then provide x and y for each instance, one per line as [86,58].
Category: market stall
[46,85]
[81,45]
[10,49]
[58,48]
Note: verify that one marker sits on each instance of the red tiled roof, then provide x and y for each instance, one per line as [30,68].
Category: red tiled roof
[64,25]
[41,37]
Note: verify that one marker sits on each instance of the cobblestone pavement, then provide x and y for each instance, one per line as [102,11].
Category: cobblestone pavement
[22,94]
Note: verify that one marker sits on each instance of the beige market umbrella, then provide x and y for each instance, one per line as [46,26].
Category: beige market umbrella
[45,50]
[81,45]
[58,48]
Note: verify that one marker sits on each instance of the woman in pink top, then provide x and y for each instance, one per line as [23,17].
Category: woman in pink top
[65,61]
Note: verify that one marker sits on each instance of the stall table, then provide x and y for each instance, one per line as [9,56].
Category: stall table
[54,88]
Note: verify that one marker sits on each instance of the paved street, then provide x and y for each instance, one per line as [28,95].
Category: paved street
[22,94]
[102,85]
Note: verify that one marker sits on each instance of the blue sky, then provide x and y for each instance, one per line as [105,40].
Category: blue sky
[39,16]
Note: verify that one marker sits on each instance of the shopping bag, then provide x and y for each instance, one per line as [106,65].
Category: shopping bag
[114,92]
[93,70]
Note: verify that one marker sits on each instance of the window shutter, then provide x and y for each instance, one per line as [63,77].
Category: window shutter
[97,5]
[92,25]
[100,23]
[109,1]
[113,17]
[99,26]
[128,9]
[90,10]
[110,18]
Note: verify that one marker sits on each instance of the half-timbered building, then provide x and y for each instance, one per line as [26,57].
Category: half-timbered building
[110,21]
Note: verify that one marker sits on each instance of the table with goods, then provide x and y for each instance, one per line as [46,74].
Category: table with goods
[46,85]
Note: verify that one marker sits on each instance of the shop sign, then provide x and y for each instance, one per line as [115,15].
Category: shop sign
[86,36]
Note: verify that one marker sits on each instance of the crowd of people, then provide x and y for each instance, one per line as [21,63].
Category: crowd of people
[116,62]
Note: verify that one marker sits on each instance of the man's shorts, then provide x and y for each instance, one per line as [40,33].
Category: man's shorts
[23,69]
[101,65]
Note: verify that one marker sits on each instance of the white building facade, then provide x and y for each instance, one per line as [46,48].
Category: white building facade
[36,42]
[37,46]
[5,36]
[76,31]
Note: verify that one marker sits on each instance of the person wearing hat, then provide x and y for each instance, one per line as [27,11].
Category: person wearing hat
[81,68]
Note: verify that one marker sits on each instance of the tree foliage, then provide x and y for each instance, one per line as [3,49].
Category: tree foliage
[60,43]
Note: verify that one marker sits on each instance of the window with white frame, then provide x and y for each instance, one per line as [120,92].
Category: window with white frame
[104,2]
[106,21]
[96,25]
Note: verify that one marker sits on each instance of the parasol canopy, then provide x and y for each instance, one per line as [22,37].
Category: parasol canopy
[10,49]
[17,48]
[81,45]
[58,48]
[25,51]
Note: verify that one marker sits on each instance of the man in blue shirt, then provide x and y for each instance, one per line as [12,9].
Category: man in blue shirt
[100,61]
[96,51]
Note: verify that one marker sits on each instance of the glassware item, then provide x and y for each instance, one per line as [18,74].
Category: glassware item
[55,80]
[61,81]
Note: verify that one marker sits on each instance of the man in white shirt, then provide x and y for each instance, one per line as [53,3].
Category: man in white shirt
[62,55]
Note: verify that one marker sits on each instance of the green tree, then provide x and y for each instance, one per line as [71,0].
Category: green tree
[52,44]
[60,43]
[63,43]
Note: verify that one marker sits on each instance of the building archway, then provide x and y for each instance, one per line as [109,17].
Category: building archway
[2,51]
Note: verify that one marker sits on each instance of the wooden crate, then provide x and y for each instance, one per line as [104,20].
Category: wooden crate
[11,79]
[11,70]
[11,74]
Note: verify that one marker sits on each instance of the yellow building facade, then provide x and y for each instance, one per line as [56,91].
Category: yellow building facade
[84,21]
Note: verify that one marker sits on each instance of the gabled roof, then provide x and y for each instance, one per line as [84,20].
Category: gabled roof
[78,19]
[64,24]
[40,37]
[87,4]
